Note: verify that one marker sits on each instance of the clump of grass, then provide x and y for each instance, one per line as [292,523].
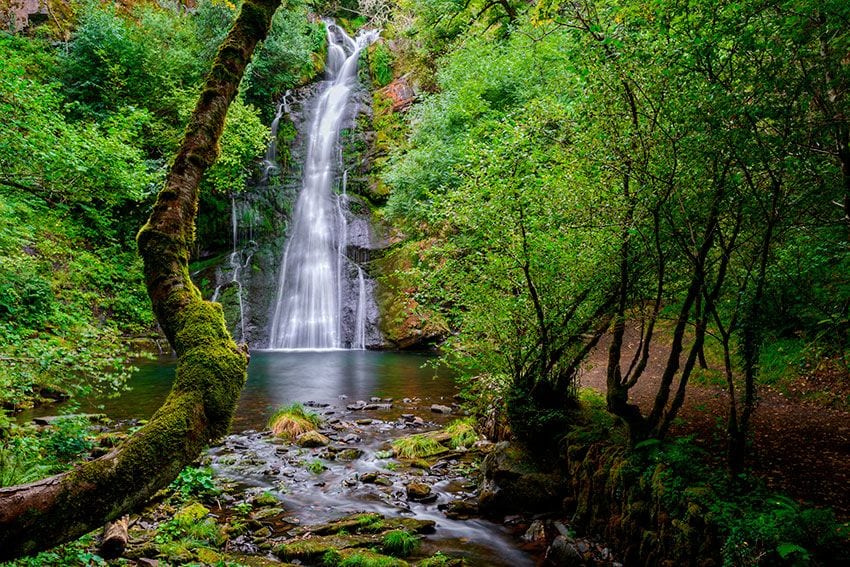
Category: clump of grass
[417,446]
[291,421]
[400,543]
[461,433]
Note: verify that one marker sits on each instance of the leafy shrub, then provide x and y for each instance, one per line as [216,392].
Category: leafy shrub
[197,482]
[69,438]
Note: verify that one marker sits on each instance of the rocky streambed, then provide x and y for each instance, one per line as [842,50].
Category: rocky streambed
[380,482]
[405,466]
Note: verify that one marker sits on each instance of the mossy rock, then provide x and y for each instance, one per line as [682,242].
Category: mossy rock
[315,547]
[310,439]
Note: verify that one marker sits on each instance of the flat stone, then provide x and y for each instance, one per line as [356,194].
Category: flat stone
[51,419]
[351,438]
[356,406]
[437,408]
[266,513]
[369,477]
[364,421]
[459,509]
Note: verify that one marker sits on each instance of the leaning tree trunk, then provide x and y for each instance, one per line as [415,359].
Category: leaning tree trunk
[211,368]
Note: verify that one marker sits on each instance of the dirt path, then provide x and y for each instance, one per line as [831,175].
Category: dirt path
[799,448]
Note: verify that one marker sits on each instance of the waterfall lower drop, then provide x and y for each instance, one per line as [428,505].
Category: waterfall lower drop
[308,310]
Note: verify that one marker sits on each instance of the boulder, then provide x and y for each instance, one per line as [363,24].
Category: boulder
[563,553]
[512,484]
[311,439]
[419,492]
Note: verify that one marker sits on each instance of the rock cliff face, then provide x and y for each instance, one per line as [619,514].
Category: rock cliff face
[23,13]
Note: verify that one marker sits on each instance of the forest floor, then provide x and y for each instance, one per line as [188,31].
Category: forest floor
[800,446]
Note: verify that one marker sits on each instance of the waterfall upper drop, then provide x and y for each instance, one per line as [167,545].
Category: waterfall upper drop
[321,299]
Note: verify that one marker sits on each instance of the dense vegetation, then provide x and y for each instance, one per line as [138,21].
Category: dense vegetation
[676,175]
[89,128]
[635,177]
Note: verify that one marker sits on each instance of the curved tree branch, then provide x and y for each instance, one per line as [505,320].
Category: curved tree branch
[211,368]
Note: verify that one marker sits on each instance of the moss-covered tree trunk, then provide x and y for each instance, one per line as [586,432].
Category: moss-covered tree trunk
[211,368]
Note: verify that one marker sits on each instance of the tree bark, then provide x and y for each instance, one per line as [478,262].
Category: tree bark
[115,538]
[211,368]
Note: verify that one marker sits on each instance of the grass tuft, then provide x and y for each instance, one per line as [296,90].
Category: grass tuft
[462,433]
[417,446]
[400,543]
[291,421]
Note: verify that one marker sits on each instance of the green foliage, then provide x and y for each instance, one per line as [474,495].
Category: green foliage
[288,56]
[316,466]
[380,64]
[196,482]
[190,529]
[68,439]
[71,554]
[27,455]
[242,142]
[399,543]
[436,560]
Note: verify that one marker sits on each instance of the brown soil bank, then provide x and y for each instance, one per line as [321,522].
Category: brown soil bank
[798,448]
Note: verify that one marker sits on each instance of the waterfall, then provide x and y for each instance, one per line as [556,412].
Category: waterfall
[314,270]
[235,263]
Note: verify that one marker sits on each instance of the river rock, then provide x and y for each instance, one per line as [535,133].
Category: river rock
[511,483]
[365,421]
[266,513]
[368,477]
[351,438]
[437,408]
[356,406]
[535,532]
[563,553]
[459,509]
[51,419]
[418,491]
[312,439]
[348,454]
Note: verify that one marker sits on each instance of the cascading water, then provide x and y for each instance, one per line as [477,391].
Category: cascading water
[313,273]
[235,263]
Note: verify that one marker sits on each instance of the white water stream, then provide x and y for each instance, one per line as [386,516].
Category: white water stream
[314,270]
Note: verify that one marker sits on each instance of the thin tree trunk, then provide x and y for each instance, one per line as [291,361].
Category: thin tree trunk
[211,368]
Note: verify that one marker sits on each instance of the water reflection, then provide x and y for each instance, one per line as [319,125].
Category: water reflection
[278,378]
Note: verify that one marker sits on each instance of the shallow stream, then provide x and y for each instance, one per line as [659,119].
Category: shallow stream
[336,384]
